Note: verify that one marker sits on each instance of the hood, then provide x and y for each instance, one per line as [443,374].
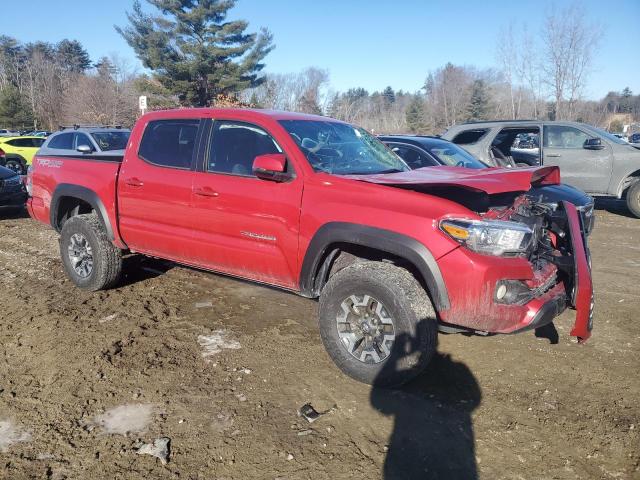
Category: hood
[6,173]
[558,193]
[487,180]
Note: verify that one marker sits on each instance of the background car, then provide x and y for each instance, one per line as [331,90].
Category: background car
[8,133]
[86,140]
[12,190]
[589,158]
[423,151]
[18,152]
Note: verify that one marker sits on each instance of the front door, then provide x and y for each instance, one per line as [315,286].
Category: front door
[243,225]
[154,190]
[588,170]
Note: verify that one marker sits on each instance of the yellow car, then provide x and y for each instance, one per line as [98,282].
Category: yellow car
[17,153]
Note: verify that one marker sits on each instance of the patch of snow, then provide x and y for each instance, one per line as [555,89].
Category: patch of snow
[214,343]
[125,419]
[10,433]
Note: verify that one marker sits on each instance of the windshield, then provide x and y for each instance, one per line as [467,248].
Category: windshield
[111,140]
[452,155]
[609,136]
[342,149]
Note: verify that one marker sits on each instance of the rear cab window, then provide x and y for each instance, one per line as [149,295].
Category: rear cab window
[170,143]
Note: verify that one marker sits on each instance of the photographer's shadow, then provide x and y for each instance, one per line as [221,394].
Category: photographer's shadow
[433,433]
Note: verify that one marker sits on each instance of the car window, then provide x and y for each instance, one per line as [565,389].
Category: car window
[81,139]
[235,145]
[111,140]
[62,141]
[562,136]
[470,136]
[169,143]
[413,157]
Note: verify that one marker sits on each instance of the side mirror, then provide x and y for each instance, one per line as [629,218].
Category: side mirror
[84,149]
[271,166]
[593,144]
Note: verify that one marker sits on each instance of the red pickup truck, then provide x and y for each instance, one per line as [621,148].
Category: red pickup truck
[322,208]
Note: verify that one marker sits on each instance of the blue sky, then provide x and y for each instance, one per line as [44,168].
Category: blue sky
[370,44]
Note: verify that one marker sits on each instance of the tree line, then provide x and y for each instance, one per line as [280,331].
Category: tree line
[194,55]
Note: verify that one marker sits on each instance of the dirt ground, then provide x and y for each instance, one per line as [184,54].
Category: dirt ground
[220,367]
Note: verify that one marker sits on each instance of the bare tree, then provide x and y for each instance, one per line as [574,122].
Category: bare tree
[569,47]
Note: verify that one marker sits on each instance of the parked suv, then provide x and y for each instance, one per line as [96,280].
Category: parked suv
[324,209]
[589,158]
[87,140]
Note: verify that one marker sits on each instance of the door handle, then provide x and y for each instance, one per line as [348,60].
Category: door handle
[133,182]
[206,192]
[553,155]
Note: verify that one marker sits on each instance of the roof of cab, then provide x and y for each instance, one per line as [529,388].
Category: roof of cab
[259,113]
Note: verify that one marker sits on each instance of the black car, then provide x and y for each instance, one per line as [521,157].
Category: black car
[423,151]
[12,190]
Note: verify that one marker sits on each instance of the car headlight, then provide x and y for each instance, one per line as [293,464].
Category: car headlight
[489,237]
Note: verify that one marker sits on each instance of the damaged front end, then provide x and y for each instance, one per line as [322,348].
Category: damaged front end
[540,268]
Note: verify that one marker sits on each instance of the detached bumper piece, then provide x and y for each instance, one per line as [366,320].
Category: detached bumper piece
[582,298]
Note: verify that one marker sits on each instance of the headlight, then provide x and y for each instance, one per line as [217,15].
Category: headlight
[489,237]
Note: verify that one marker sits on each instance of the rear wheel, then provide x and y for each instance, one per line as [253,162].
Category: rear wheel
[90,260]
[633,199]
[377,323]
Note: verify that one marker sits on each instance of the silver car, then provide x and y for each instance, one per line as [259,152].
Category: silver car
[90,141]
[589,158]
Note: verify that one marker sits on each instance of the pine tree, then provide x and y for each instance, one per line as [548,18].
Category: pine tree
[194,51]
[14,113]
[72,56]
[416,115]
[479,103]
[389,95]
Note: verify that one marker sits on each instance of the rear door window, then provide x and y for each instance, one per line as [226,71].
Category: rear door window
[470,136]
[63,141]
[170,143]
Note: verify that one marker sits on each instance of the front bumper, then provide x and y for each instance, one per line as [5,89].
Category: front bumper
[13,198]
[472,280]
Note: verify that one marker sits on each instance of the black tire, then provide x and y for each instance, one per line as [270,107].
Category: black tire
[633,199]
[106,259]
[409,308]
[16,165]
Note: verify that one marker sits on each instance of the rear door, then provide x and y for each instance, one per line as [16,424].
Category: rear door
[588,170]
[155,187]
[243,225]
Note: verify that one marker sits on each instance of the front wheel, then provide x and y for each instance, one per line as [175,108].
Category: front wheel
[633,199]
[16,166]
[90,260]
[377,323]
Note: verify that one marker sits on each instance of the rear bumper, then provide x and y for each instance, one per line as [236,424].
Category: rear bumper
[472,281]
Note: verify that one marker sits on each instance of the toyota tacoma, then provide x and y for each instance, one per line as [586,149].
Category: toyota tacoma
[322,208]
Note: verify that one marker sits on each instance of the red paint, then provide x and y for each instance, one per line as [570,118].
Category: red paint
[584,287]
[260,230]
[489,180]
